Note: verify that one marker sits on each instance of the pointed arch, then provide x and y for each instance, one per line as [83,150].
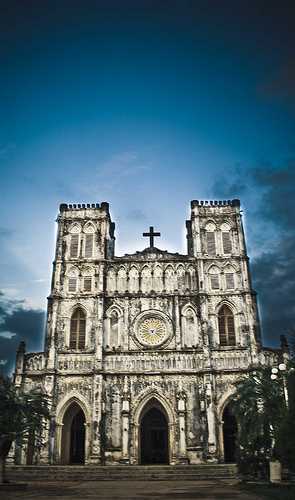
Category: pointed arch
[190,278]
[169,278]
[133,279]
[146,278]
[226,326]
[158,278]
[189,324]
[75,228]
[72,421]
[122,279]
[111,280]
[72,279]
[152,398]
[214,277]
[78,329]
[229,277]
[113,327]
[180,273]
[89,228]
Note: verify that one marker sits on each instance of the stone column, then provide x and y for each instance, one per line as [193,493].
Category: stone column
[95,434]
[181,410]
[125,424]
[210,411]
[177,323]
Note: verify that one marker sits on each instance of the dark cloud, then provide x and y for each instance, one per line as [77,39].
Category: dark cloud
[269,201]
[282,84]
[136,214]
[18,323]
[5,232]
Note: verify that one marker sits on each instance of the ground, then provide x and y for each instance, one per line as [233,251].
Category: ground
[152,490]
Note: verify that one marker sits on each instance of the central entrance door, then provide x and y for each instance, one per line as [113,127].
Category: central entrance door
[73,436]
[154,437]
[77,448]
[229,435]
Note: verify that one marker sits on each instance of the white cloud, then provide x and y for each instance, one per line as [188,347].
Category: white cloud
[7,335]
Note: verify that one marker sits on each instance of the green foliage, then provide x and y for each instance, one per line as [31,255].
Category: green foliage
[286,436]
[21,414]
[260,408]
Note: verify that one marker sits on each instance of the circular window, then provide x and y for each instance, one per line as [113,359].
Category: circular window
[151,329]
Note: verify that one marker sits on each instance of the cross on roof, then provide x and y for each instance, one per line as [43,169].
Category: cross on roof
[151,235]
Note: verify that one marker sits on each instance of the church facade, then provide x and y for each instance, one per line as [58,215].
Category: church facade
[142,351]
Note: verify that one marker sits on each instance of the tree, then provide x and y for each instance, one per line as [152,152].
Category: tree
[22,415]
[260,408]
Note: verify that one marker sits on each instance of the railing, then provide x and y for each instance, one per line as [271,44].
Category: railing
[75,362]
[34,361]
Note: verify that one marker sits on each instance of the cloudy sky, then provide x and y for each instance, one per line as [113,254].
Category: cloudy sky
[146,105]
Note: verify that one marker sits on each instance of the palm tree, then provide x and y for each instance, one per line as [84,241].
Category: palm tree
[22,414]
[260,408]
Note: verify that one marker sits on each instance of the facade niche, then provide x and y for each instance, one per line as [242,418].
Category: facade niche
[189,327]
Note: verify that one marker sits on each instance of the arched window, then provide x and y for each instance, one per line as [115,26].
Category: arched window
[226,326]
[78,329]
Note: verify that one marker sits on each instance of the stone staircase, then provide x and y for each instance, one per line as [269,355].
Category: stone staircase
[121,472]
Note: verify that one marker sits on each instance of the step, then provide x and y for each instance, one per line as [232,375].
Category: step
[118,472]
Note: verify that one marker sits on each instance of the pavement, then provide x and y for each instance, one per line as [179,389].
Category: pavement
[132,490]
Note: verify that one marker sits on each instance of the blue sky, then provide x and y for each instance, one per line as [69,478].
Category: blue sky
[146,105]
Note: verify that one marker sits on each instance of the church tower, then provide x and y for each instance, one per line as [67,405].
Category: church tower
[142,350]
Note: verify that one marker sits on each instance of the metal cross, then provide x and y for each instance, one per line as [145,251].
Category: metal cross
[151,236]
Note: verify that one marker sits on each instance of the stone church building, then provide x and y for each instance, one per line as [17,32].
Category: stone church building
[142,350]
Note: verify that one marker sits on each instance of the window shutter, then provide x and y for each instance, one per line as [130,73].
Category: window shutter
[211,247]
[72,284]
[89,245]
[214,281]
[231,331]
[222,332]
[226,242]
[229,280]
[74,245]
[77,330]
[87,284]
[226,326]
[82,328]
[74,332]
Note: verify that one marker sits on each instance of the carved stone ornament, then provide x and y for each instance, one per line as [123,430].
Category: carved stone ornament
[152,329]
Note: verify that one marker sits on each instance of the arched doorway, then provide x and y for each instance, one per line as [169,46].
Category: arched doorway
[73,436]
[153,446]
[229,435]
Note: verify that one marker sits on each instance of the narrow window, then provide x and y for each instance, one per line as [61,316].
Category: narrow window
[74,245]
[214,281]
[77,330]
[72,285]
[229,281]
[88,245]
[211,247]
[226,242]
[226,327]
[87,284]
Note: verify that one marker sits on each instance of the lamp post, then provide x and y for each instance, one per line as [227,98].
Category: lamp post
[275,372]
[280,373]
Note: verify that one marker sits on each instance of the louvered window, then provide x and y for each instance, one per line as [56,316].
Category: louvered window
[87,284]
[214,281]
[77,330]
[229,281]
[72,285]
[74,245]
[226,327]
[226,242]
[89,245]
[211,247]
